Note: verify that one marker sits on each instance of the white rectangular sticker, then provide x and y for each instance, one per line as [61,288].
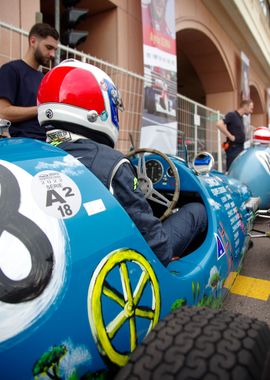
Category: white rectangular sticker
[94,207]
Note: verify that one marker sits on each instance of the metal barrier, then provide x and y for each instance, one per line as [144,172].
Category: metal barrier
[196,123]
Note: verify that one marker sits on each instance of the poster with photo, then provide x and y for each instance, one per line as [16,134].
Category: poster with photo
[245,95]
[245,91]
[159,126]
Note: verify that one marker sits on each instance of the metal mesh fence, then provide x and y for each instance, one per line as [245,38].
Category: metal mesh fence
[196,123]
[197,129]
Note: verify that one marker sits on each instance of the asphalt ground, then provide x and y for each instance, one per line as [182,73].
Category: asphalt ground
[250,292]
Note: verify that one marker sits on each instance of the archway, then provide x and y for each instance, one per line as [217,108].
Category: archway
[204,76]
[258,117]
[201,68]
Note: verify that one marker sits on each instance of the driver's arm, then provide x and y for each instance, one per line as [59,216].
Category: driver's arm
[129,195]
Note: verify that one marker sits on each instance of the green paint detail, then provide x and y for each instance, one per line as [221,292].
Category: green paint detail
[49,362]
[180,302]
[56,142]
[196,289]
[193,289]
[215,280]
[73,376]
[135,183]
[211,301]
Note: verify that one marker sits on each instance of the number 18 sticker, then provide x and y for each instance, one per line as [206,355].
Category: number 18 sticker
[56,194]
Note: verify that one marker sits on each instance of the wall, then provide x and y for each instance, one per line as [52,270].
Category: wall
[115,35]
[102,38]
[220,65]
[20,13]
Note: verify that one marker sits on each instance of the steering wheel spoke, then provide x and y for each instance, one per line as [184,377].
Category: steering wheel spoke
[141,166]
[157,197]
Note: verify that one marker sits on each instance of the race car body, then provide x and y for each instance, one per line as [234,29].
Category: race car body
[79,286]
[252,167]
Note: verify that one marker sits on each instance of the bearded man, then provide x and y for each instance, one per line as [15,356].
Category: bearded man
[20,81]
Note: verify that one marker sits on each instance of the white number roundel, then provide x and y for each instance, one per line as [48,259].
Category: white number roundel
[33,254]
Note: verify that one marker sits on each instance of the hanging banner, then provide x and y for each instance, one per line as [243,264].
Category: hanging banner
[245,95]
[245,91]
[159,125]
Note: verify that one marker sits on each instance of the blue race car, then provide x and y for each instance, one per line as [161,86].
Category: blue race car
[80,289]
[252,167]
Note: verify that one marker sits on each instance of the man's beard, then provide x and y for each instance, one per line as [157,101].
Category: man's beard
[40,59]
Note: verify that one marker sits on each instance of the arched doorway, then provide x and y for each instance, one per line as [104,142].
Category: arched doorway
[201,69]
[204,76]
[258,117]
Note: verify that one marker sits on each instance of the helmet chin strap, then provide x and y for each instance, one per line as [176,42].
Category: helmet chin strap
[57,136]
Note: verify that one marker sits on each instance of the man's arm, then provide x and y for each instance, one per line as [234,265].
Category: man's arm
[14,113]
[223,128]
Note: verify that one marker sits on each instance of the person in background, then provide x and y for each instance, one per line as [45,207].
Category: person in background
[84,122]
[232,126]
[20,80]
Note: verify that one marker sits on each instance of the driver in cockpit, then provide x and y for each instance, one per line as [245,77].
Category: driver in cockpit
[78,104]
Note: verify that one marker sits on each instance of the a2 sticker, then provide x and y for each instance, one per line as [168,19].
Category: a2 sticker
[56,194]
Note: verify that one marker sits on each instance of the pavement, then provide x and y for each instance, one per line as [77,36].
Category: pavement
[250,293]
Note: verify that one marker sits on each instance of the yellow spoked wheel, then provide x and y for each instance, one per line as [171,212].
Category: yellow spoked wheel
[128,300]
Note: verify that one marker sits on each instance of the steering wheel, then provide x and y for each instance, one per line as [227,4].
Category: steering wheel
[146,185]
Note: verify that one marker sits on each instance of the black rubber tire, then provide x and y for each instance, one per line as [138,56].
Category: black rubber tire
[202,344]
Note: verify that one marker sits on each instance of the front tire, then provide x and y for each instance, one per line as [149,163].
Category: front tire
[202,344]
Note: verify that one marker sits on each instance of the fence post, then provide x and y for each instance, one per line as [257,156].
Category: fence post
[57,27]
[219,149]
[196,130]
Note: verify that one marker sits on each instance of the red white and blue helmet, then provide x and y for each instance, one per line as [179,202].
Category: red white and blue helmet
[262,135]
[80,98]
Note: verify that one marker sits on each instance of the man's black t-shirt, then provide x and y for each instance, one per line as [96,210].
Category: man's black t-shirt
[235,126]
[19,84]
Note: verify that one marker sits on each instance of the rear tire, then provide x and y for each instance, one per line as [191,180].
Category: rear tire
[202,344]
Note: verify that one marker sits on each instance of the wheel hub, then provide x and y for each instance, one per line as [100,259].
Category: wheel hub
[129,309]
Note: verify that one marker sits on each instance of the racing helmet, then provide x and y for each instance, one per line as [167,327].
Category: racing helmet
[262,135]
[80,98]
